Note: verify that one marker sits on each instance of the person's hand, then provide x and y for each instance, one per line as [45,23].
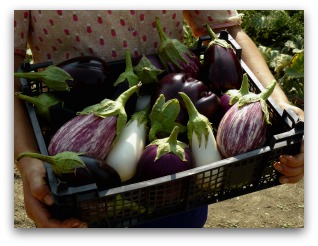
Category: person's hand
[292,166]
[37,196]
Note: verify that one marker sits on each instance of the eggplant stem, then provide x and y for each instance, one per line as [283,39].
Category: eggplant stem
[162,34]
[29,75]
[33,100]
[126,94]
[39,156]
[129,66]
[173,138]
[198,123]
[210,31]
[269,90]
[244,87]
[192,111]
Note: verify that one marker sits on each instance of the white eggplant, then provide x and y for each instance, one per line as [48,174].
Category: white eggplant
[129,145]
[204,151]
[203,144]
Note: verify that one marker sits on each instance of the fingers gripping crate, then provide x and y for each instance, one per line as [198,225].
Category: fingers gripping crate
[136,203]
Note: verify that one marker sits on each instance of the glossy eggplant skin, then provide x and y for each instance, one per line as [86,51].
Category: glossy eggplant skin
[221,70]
[206,102]
[149,168]
[90,82]
[97,172]
[241,129]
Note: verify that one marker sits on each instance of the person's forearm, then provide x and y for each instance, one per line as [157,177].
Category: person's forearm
[24,139]
[255,61]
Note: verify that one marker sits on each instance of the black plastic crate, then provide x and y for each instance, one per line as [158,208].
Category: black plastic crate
[136,203]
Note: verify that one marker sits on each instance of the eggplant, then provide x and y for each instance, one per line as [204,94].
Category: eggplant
[203,145]
[206,102]
[94,129]
[127,148]
[221,70]
[75,169]
[175,56]
[90,83]
[243,127]
[164,157]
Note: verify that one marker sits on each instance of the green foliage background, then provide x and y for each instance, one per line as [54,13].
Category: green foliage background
[279,35]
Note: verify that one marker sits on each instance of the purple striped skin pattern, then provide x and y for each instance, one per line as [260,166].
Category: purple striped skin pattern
[87,134]
[241,130]
[190,67]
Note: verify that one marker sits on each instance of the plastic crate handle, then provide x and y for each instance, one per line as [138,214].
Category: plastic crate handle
[294,136]
[28,67]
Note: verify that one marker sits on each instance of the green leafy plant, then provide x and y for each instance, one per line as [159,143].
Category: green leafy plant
[279,35]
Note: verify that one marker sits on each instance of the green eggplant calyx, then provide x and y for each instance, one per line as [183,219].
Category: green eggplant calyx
[42,103]
[170,144]
[53,77]
[129,74]
[216,40]
[236,95]
[142,117]
[261,97]
[197,123]
[108,107]
[172,50]
[62,163]
[146,71]
[163,116]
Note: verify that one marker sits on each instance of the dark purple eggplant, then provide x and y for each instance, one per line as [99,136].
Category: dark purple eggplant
[90,82]
[206,102]
[221,69]
[175,56]
[243,127]
[76,169]
[164,157]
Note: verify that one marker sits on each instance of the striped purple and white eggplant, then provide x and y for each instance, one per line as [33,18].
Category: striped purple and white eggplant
[94,129]
[243,127]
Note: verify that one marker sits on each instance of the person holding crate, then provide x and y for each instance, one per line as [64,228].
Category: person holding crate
[60,35]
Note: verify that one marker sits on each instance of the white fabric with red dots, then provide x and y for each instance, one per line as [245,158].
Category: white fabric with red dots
[58,35]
